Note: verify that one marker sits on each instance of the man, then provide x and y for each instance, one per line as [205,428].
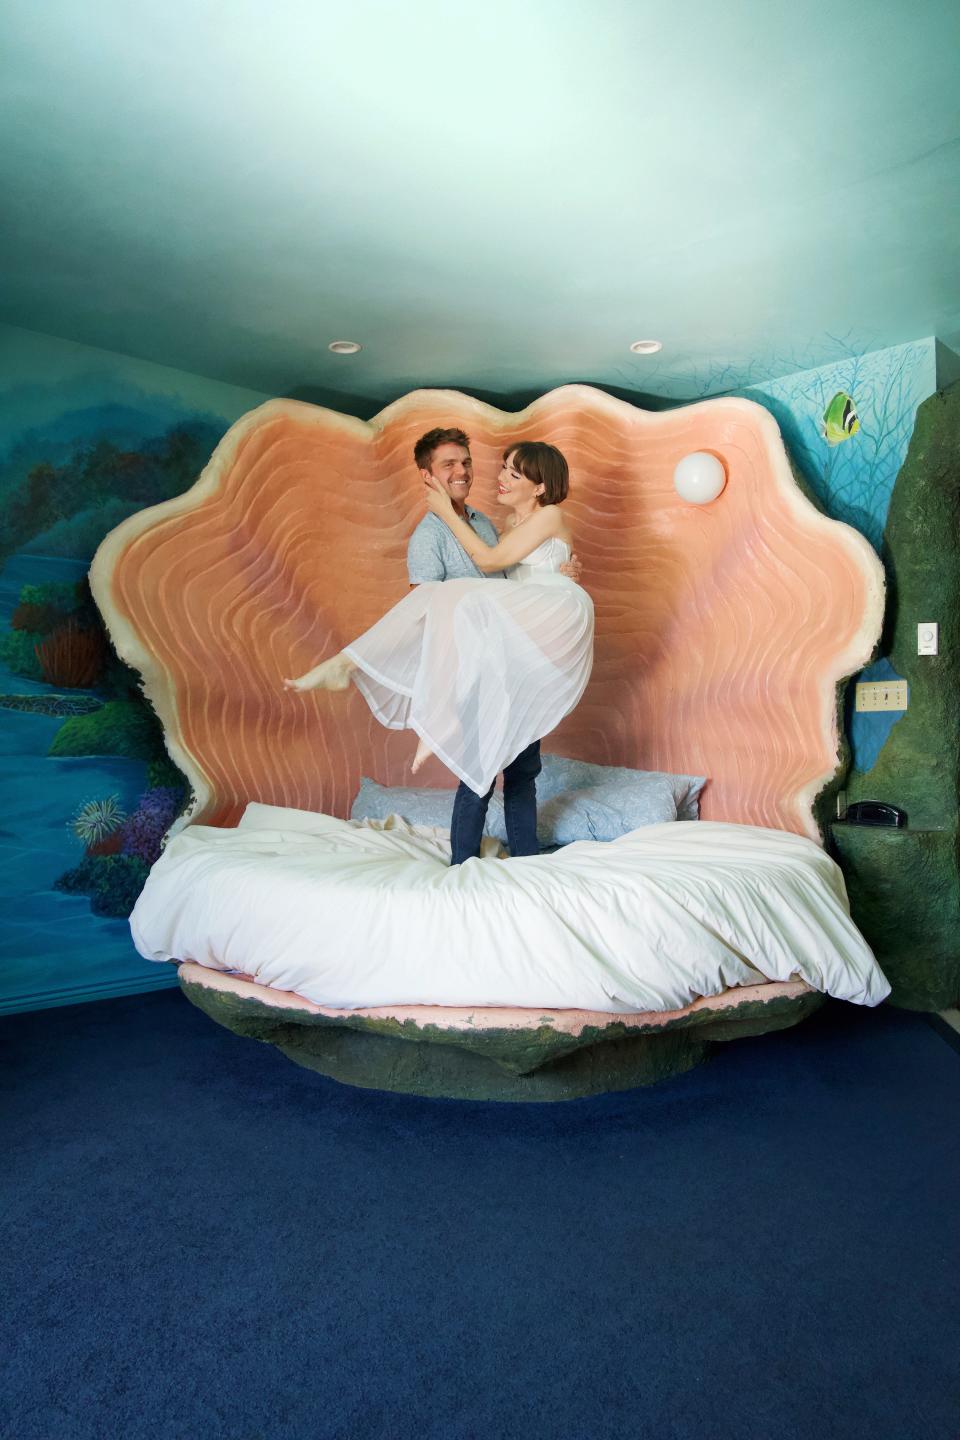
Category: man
[433,553]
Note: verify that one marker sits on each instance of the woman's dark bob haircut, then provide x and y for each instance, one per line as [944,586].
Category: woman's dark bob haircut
[544,465]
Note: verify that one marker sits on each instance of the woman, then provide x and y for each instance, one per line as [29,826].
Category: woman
[482,668]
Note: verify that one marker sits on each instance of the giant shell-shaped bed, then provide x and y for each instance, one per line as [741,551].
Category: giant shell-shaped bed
[723,632]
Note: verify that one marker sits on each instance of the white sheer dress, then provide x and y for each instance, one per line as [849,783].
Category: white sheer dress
[481,668]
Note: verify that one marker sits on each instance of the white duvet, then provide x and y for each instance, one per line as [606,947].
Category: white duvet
[363,913]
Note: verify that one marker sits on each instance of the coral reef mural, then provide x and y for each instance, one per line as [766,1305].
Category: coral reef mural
[88,788]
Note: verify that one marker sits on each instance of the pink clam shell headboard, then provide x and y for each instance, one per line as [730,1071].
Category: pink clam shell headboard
[721,630]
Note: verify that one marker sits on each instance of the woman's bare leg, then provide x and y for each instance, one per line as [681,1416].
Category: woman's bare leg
[423,753]
[334,674]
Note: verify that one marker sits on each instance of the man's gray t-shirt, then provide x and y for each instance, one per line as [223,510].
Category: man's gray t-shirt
[434,552]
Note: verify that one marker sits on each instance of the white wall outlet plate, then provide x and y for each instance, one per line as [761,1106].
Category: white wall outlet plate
[882,695]
[928,638]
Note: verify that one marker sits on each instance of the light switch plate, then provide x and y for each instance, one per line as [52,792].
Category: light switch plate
[882,695]
[928,638]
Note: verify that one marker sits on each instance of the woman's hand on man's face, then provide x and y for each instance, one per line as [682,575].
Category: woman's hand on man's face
[438,501]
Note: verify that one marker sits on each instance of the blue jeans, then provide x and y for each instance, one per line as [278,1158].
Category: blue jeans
[519,809]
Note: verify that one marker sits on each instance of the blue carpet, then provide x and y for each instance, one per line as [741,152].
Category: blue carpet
[206,1241]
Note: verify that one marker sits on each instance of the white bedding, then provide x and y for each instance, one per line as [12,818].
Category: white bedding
[353,914]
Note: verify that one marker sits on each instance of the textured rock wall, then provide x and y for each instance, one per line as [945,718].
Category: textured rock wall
[905,886]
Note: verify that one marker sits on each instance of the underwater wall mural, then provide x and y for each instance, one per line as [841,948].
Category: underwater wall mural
[88,438]
[847,426]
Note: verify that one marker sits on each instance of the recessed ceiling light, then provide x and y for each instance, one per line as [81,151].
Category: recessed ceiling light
[646,347]
[344,347]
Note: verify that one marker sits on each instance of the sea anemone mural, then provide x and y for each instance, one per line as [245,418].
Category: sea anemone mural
[97,820]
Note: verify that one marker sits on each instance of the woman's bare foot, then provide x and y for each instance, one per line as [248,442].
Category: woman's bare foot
[423,753]
[334,674]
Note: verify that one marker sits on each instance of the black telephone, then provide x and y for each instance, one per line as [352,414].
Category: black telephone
[875,812]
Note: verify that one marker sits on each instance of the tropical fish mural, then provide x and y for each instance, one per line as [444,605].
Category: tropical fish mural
[840,419]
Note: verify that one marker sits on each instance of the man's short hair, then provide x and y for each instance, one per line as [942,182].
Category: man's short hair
[544,465]
[425,446]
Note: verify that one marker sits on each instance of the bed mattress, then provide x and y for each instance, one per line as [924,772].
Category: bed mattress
[356,914]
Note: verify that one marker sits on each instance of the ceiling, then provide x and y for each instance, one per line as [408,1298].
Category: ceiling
[496,197]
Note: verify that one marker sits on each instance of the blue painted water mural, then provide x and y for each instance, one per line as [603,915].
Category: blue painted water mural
[53,948]
[854,479]
[86,438]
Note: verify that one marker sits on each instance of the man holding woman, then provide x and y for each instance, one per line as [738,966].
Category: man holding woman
[480,671]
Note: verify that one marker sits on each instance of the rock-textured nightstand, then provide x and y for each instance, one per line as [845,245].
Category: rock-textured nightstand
[903,896]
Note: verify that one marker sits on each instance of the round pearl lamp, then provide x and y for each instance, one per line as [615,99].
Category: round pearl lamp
[699,478]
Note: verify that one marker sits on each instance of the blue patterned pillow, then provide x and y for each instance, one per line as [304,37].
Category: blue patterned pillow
[418,806]
[575,801]
[561,775]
